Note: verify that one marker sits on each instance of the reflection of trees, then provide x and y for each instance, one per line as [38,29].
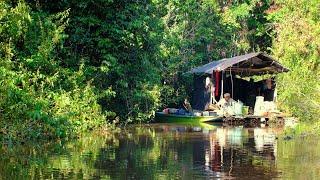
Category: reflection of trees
[56,160]
[299,158]
[146,156]
[184,151]
[147,152]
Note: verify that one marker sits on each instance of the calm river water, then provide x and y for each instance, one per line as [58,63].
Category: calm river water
[168,151]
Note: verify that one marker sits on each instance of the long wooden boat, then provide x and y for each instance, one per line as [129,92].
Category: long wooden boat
[202,125]
[174,118]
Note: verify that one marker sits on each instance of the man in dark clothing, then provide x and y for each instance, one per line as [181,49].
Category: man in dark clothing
[268,90]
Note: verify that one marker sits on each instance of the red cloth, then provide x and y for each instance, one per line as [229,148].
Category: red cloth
[217,73]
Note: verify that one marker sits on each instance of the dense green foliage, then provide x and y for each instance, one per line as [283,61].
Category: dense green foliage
[39,97]
[297,45]
[69,66]
[119,44]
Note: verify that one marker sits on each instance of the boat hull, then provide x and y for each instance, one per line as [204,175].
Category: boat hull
[174,118]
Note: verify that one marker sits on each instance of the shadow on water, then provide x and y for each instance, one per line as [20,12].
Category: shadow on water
[167,151]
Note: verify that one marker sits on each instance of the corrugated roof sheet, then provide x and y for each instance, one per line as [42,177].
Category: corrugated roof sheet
[248,64]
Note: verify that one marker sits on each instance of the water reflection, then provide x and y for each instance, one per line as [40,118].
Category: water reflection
[161,151]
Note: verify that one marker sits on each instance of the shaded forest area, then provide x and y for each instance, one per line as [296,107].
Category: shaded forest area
[68,66]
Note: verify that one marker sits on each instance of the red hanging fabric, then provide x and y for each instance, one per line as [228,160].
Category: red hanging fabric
[217,80]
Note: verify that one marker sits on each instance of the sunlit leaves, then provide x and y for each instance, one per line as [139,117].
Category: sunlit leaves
[297,46]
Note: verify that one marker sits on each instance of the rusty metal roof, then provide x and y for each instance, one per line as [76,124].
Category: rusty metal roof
[247,65]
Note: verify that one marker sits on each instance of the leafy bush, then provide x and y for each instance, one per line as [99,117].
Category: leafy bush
[297,46]
[38,97]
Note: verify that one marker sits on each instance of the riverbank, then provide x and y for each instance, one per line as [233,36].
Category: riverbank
[292,129]
[304,129]
[15,139]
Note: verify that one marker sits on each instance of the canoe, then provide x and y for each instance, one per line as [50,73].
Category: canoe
[202,125]
[173,118]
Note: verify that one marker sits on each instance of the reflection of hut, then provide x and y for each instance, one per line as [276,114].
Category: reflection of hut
[226,76]
[230,158]
[263,138]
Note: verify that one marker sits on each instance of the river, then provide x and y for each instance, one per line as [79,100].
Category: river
[168,151]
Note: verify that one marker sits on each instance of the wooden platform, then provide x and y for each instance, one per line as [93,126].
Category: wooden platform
[253,118]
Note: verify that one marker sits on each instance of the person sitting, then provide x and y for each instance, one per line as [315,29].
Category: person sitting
[268,90]
[226,101]
[187,105]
